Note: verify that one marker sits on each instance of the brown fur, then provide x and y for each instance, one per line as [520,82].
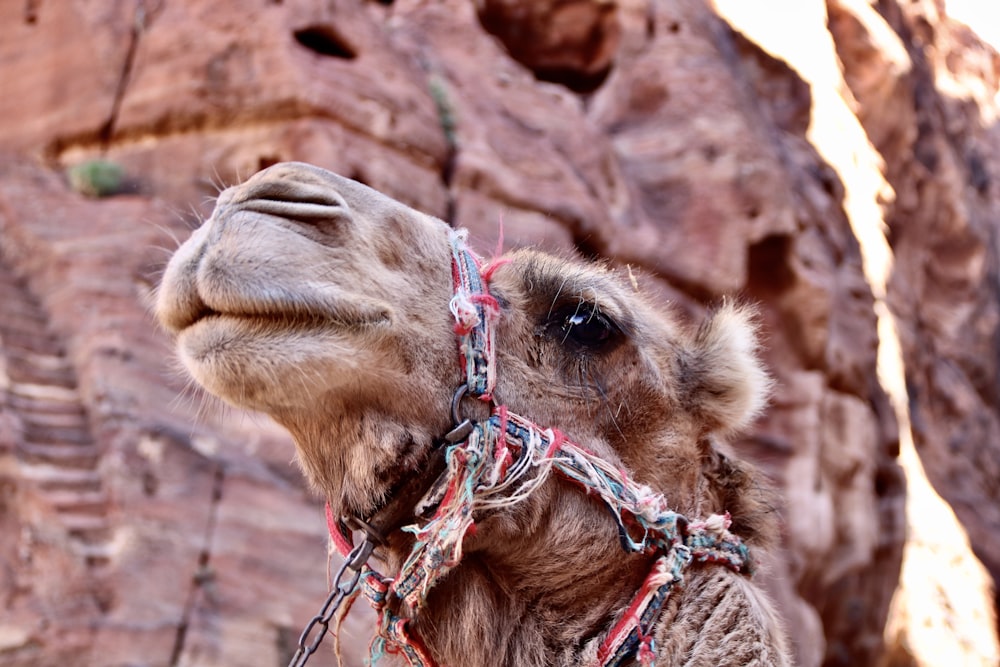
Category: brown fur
[324,303]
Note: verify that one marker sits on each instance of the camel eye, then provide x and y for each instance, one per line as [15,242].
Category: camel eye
[586,327]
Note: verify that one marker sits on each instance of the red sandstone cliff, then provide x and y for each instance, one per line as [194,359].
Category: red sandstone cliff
[137,527]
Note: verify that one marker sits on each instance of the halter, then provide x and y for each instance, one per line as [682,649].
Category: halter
[497,463]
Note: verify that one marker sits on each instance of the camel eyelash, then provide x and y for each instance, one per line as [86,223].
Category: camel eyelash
[583,326]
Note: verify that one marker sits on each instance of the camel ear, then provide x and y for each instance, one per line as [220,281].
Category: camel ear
[726,383]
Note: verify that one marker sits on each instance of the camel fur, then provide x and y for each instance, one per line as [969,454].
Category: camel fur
[323,303]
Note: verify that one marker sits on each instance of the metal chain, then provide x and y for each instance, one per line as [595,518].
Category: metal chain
[341,590]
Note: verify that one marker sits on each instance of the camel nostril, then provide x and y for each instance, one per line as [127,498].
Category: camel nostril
[290,198]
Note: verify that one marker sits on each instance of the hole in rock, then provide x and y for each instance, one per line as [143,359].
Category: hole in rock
[579,56]
[265,161]
[31,12]
[325,41]
[576,80]
[769,270]
[359,176]
[888,483]
[588,247]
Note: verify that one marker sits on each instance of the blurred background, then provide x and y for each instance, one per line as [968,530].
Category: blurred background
[837,161]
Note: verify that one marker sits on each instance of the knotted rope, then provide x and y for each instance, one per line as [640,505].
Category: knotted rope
[502,461]
[474,310]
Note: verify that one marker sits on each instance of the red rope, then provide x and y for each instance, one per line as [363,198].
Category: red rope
[341,541]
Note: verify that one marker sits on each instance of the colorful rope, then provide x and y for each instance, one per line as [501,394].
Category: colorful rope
[474,310]
[499,465]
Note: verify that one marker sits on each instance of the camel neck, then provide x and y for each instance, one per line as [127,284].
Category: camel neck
[505,531]
[539,586]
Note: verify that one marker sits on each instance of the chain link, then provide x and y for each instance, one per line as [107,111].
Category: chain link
[320,623]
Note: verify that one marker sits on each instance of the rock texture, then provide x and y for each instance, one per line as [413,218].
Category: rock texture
[942,162]
[131,516]
[650,133]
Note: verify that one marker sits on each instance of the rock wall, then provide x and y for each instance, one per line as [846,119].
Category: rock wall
[942,162]
[651,133]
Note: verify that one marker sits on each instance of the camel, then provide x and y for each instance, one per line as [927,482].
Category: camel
[533,450]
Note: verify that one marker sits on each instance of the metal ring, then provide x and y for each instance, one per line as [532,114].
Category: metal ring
[373,534]
[460,428]
[456,400]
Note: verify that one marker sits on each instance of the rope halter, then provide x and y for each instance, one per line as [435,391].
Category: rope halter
[475,311]
[498,463]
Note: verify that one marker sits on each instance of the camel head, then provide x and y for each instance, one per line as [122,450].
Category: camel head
[325,304]
[334,309]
